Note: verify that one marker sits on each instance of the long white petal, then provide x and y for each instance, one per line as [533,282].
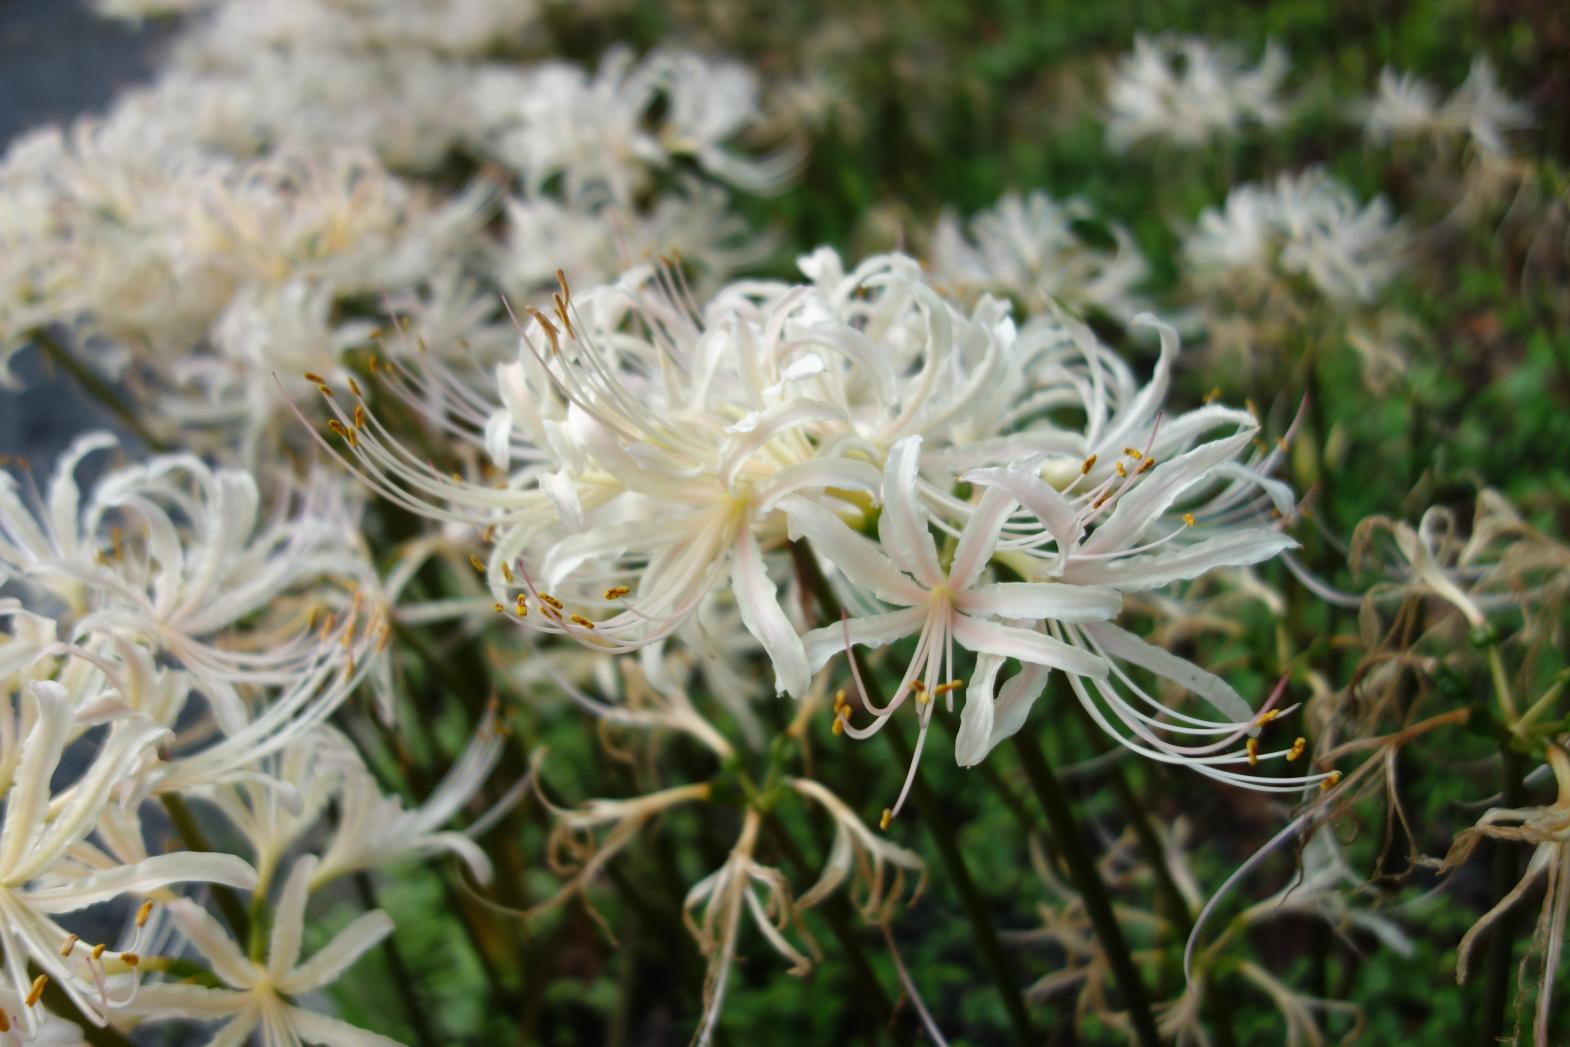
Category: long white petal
[1150,497]
[758,602]
[318,1028]
[1122,644]
[1040,497]
[874,630]
[1009,642]
[903,524]
[858,558]
[339,954]
[283,951]
[143,877]
[1136,573]
[213,942]
[1038,600]
[975,720]
[979,538]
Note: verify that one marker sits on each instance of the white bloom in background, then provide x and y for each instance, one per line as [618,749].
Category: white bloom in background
[1305,225]
[1184,90]
[259,997]
[376,831]
[1030,248]
[1406,106]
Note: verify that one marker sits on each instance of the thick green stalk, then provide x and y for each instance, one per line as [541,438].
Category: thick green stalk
[939,829]
[94,386]
[1082,867]
[229,903]
[408,988]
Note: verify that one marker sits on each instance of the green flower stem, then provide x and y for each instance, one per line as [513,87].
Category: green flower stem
[1082,867]
[939,828]
[408,988]
[229,903]
[94,386]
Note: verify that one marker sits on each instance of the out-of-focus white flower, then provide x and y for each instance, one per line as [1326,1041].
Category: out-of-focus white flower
[376,831]
[1405,106]
[1181,89]
[1305,225]
[1030,249]
[259,998]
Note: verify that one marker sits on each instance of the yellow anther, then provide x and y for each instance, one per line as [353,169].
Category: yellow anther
[312,376]
[130,959]
[945,688]
[547,598]
[496,607]
[144,912]
[1297,749]
[1134,453]
[1214,394]
[1266,716]
[1150,463]
[98,950]
[477,563]
[457,477]
[1188,519]
[839,723]
[69,946]
[1252,745]
[489,534]
[616,592]
[553,613]
[1120,467]
[37,991]
[1248,405]
[359,416]
[1099,502]
[326,389]
[5,1021]
[419,340]
[1087,465]
[1330,781]
[371,361]
[1282,444]
[888,816]
[521,607]
[839,699]
[507,572]
[354,387]
[578,619]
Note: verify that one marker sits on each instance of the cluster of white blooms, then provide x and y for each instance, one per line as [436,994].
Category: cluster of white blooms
[1184,90]
[241,217]
[1033,249]
[176,638]
[1406,106]
[1305,226]
[846,414]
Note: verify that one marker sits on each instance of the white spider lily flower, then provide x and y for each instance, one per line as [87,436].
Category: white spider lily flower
[941,608]
[46,871]
[1030,249]
[628,406]
[1406,106]
[375,831]
[1304,225]
[258,997]
[1184,90]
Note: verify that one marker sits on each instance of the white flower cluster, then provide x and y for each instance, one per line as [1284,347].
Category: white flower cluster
[173,641]
[241,217]
[1406,106]
[657,455]
[1303,225]
[1032,249]
[1184,90]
